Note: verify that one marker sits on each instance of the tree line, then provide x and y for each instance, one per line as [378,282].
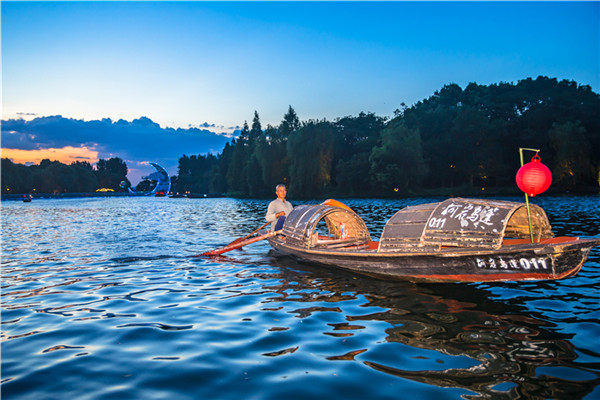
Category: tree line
[456,141]
[55,177]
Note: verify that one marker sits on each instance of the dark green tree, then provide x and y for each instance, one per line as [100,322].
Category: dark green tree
[572,164]
[256,130]
[397,164]
[252,169]
[272,157]
[289,124]
[84,178]
[236,175]
[111,173]
[354,139]
[311,151]
[218,176]
[195,173]
[16,178]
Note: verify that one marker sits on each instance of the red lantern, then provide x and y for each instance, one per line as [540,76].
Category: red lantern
[534,177]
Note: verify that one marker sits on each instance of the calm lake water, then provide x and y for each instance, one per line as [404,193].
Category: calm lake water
[101,299]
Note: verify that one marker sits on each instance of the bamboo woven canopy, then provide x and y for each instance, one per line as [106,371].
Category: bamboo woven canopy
[300,224]
[456,222]
[467,223]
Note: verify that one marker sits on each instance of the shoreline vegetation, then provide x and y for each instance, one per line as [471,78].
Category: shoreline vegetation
[441,193]
[456,142]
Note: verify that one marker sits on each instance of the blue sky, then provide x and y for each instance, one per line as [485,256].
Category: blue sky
[194,64]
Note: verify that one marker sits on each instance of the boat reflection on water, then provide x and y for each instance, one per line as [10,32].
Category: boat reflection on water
[513,353]
[509,347]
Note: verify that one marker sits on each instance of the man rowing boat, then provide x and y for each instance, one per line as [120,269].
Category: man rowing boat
[278,208]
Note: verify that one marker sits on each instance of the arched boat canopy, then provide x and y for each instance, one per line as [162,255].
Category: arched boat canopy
[456,222]
[300,224]
[465,223]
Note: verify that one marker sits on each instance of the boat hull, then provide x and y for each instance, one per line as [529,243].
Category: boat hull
[517,263]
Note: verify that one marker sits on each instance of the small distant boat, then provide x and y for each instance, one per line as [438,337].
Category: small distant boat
[465,240]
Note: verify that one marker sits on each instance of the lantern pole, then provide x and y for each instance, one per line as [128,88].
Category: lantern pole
[526,196]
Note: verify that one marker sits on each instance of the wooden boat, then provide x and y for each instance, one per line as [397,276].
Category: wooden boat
[472,240]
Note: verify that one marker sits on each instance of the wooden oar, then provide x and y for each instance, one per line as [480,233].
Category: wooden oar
[234,246]
[248,235]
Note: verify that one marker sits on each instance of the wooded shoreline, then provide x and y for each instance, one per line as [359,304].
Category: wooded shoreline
[456,142]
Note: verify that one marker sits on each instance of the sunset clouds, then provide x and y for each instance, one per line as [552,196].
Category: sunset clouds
[68,140]
[65,155]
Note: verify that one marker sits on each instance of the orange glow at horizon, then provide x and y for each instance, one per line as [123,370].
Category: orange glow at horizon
[65,155]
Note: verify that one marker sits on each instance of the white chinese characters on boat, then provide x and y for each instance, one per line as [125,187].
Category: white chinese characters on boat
[469,214]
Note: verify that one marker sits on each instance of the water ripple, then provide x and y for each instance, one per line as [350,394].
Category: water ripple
[108,290]
[157,325]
